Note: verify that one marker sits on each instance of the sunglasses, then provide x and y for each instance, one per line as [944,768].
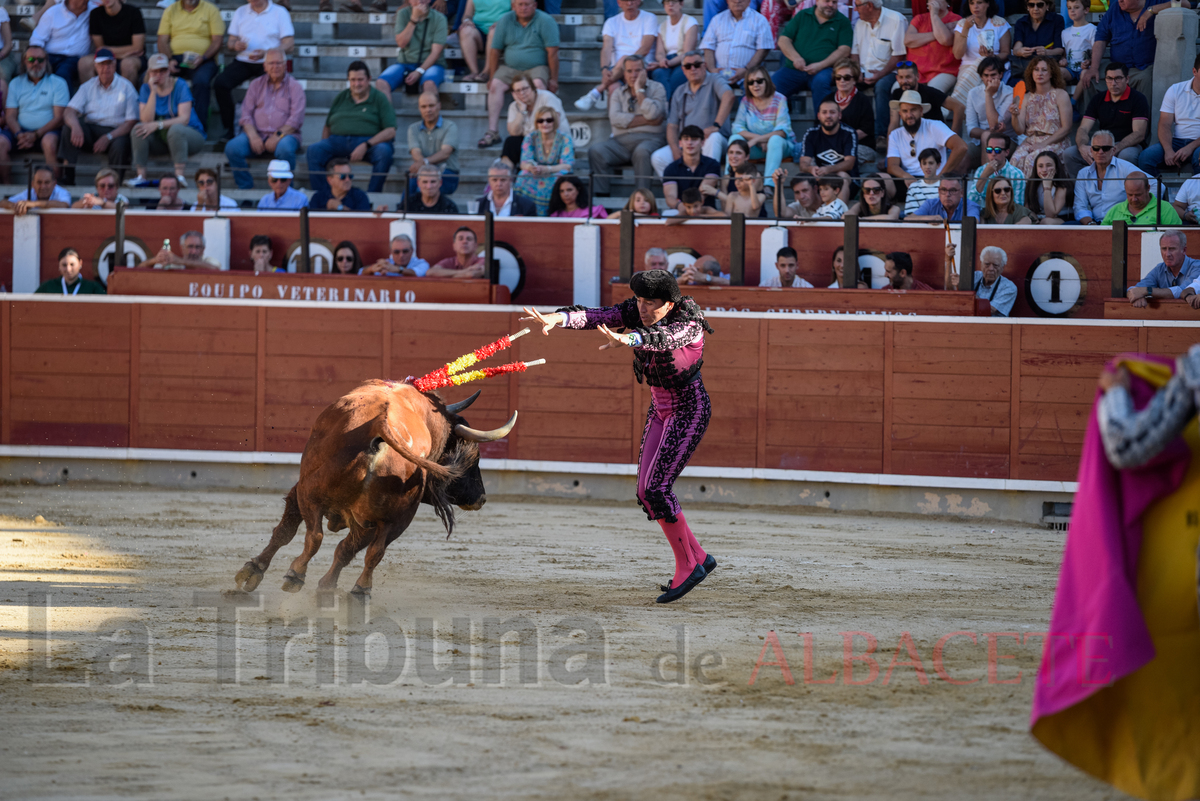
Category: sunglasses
[756,82]
[695,65]
[35,59]
[1102,148]
[872,190]
[903,64]
[278,180]
[843,78]
[348,259]
[1006,190]
[913,148]
[342,176]
[993,150]
[546,121]
[1035,5]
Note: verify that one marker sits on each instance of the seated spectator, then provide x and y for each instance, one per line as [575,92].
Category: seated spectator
[1139,207]
[106,195]
[476,21]
[764,122]
[737,155]
[69,282]
[630,34]
[858,112]
[786,265]
[9,61]
[637,109]
[429,199]
[283,196]
[949,204]
[678,37]
[915,135]
[691,170]
[346,258]
[1187,201]
[656,259]
[256,27]
[467,261]
[832,207]
[99,117]
[271,119]
[1078,37]
[118,27]
[1170,276]
[545,155]
[34,111]
[704,270]
[1122,110]
[926,187]
[642,203]
[691,207]
[45,194]
[829,147]
[1038,33]
[360,127]
[1045,116]
[995,165]
[990,283]
[192,244]
[810,46]
[433,140]
[874,205]
[262,254]
[208,198]
[711,8]
[898,268]
[189,35]
[527,40]
[528,102]
[930,43]
[984,33]
[503,202]
[1178,128]
[1100,187]
[1127,31]
[1048,191]
[989,108]
[807,200]
[421,32]
[1001,208]
[839,262]
[403,260]
[748,197]
[878,47]
[339,194]
[62,33]
[168,194]
[908,76]
[167,122]
[736,41]
[569,198]
[703,102]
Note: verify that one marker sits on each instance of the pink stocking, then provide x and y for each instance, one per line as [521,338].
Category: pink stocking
[677,534]
[698,554]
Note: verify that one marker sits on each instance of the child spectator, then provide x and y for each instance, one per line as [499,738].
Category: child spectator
[832,207]
[1078,39]
[920,191]
[691,206]
[749,198]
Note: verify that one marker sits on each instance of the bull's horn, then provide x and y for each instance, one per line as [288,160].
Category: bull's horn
[455,408]
[486,436]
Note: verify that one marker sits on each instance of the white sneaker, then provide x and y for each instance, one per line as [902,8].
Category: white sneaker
[165,3]
[137,181]
[182,181]
[588,101]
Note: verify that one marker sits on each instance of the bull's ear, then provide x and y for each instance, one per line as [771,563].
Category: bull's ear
[463,405]
[486,436]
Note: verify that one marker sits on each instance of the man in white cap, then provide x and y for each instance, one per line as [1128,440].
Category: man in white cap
[915,134]
[99,117]
[282,195]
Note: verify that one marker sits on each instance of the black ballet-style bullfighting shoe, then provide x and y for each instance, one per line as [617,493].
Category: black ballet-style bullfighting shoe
[675,593]
[709,565]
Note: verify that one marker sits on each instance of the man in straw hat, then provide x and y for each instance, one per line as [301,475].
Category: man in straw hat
[915,134]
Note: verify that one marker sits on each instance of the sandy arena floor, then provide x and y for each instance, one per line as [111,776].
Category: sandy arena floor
[76,727]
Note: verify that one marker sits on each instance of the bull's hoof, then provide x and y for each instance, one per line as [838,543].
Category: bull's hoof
[360,594]
[292,582]
[249,577]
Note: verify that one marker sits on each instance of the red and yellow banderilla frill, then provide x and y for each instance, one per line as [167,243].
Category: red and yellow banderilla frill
[452,373]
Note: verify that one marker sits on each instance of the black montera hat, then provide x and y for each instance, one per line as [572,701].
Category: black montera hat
[655,285]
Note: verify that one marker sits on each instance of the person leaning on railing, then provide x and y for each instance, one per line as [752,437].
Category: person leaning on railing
[1171,277]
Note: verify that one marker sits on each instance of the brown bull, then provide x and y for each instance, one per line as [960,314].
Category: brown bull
[373,456]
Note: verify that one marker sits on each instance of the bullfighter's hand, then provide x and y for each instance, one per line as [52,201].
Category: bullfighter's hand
[547,321]
[1114,378]
[613,339]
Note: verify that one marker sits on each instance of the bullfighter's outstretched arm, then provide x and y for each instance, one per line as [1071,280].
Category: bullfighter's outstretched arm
[1132,438]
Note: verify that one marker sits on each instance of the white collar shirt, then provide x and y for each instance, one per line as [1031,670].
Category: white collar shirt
[109,107]
[875,44]
[260,31]
[1182,101]
[63,33]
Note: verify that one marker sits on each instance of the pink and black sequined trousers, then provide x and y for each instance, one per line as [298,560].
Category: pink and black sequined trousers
[675,423]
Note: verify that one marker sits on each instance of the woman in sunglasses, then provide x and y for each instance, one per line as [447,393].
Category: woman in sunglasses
[678,34]
[1048,192]
[764,123]
[546,154]
[1000,208]
[984,33]
[874,205]
[1045,116]
[858,111]
[346,258]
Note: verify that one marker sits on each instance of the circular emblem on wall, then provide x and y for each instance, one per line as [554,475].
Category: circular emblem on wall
[678,260]
[871,269]
[1055,285]
[320,256]
[512,267]
[136,252]
[581,134]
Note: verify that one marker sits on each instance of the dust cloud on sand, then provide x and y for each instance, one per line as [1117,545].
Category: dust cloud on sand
[214,715]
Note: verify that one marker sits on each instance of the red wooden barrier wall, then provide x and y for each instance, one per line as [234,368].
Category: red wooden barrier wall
[955,398]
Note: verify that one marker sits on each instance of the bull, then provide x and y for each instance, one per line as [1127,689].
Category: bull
[373,457]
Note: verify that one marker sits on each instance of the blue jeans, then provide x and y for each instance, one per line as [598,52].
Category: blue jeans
[395,74]
[788,81]
[238,150]
[1152,158]
[671,78]
[200,80]
[883,95]
[777,150]
[65,67]
[449,183]
[714,7]
[551,7]
[611,8]
[320,153]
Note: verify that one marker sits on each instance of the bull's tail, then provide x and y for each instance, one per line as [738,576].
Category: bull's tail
[387,434]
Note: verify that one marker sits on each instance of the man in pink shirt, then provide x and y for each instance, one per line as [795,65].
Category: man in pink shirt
[272,115]
[467,261]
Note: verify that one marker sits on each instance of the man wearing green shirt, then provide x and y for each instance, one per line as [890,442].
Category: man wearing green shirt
[361,126]
[1139,207]
[421,36]
[810,44]
[528,41]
